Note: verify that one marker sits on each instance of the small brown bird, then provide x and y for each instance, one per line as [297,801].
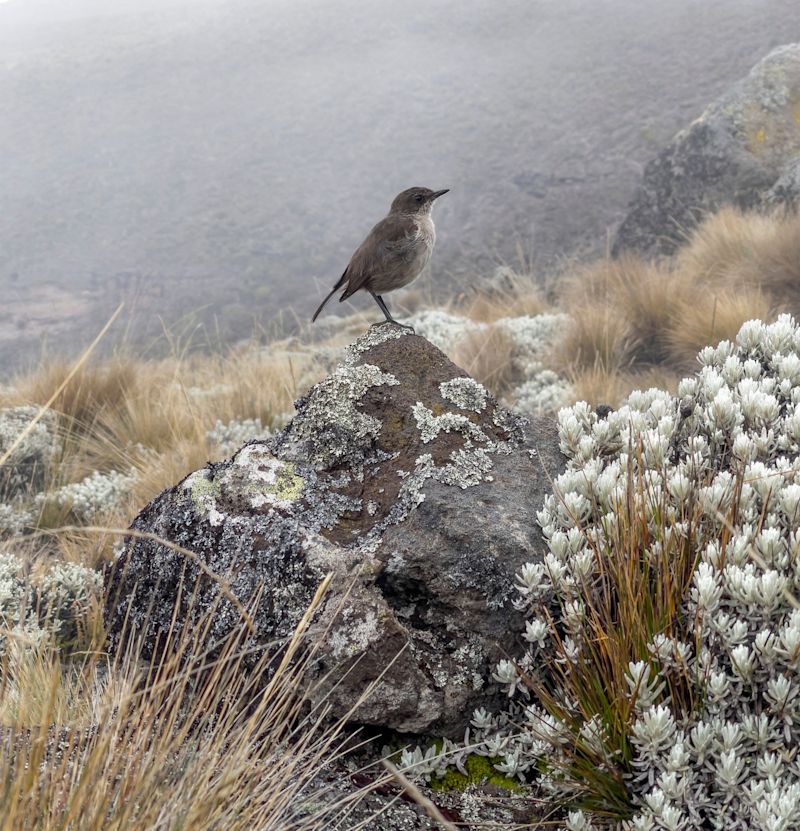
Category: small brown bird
[394,252]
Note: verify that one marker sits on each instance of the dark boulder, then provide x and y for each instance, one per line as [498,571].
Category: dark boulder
[401,476]
[734,154]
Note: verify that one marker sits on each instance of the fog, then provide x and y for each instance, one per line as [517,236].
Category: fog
[219,161]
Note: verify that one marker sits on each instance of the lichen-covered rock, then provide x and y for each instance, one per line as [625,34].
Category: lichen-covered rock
[403,477]
[786,191]
[733,154]
[25,470]
[534,389]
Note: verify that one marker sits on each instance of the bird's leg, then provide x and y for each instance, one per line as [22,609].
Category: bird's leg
[387,314]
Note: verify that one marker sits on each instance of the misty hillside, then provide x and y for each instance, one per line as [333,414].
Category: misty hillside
[231,155]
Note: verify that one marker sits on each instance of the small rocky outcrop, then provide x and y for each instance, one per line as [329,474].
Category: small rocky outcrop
[740,147]
[786,191]
[403,477]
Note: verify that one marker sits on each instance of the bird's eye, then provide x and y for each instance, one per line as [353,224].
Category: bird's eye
[419,197]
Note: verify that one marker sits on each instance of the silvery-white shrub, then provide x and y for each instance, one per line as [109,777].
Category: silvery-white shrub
[52,606]
[95,496]
[25,470]
[233,435]
[729,443]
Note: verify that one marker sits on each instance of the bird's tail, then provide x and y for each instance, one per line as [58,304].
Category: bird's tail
[333,291]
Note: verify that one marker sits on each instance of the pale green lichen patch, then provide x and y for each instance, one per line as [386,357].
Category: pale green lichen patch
[204,492]
[289,486]
[465,393]
[268,480]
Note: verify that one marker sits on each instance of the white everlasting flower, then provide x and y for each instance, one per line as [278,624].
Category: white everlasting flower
[790,638]
[642,684]
[729,769]
[707,587]
[575,508]
[506,673]
[742,662]
[788,367]
[530,580]
[578,821]
[719,686]
[765,644]
[744,448]
[780,692]
[536,631]
[481,719]
[680,485]
[655,728]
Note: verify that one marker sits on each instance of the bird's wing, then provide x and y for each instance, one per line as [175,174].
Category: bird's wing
[390,242]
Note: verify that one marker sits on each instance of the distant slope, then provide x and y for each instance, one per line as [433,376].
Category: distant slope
[234,153]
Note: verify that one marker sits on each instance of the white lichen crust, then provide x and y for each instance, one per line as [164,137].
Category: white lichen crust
[466,393]
[535,389]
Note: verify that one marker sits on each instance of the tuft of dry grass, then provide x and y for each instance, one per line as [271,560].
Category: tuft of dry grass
[635,592]
[622,311]
[724,242]
[594,344]
[190,740]
[630,316]
[518,295]
[712,316]
[486,354]
[100,387]
[776,263]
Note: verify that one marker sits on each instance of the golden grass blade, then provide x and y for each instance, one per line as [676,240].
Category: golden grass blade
[46,406]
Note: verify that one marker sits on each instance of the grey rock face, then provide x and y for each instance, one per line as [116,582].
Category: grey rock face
[403,477]
[786,191]
[733,154]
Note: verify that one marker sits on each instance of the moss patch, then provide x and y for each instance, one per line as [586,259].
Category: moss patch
[480,771]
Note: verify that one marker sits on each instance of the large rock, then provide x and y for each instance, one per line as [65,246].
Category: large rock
[733,154]
[400,475]
[786,191]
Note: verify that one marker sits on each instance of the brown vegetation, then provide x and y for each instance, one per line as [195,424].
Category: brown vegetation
[631,317]
[185,742]
[486,355]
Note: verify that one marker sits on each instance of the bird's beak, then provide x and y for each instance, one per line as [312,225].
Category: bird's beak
[436,194]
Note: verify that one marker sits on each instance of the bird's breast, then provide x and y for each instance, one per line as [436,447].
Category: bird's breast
[426,231]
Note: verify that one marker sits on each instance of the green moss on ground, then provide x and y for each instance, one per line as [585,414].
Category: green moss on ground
[480,771]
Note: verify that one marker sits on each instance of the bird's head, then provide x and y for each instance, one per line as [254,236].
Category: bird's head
[416,200]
